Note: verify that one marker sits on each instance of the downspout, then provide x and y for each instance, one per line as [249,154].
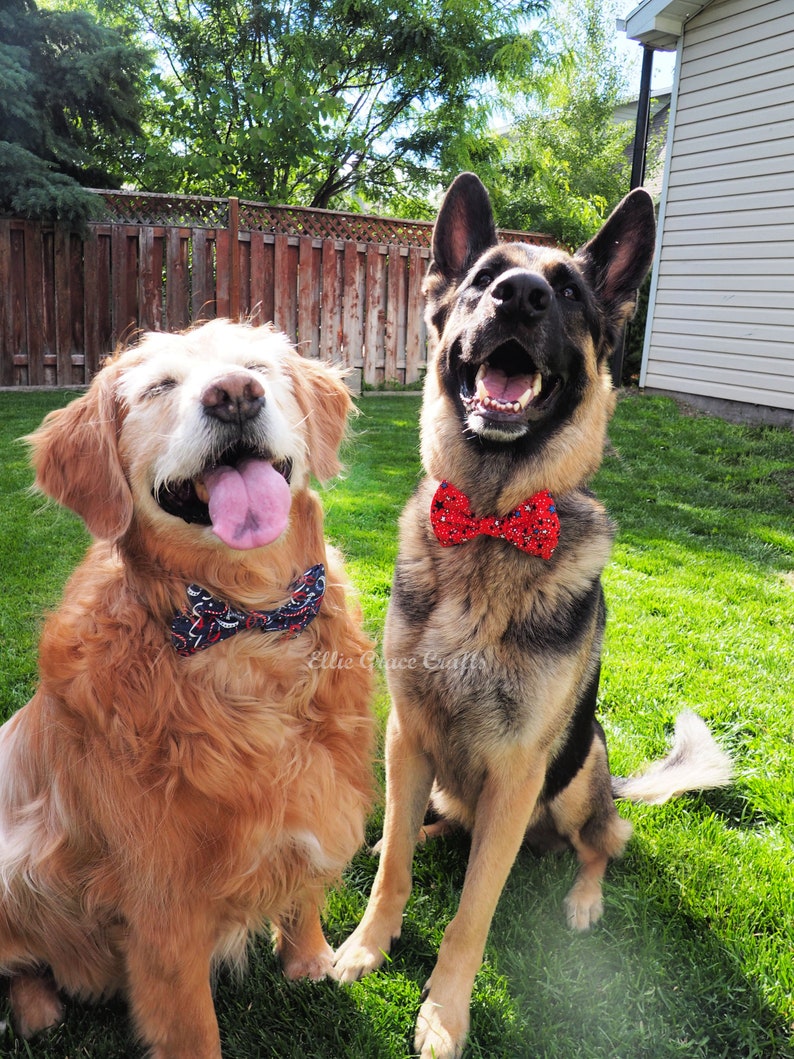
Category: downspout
[638,159]
[671,126]
[643,120]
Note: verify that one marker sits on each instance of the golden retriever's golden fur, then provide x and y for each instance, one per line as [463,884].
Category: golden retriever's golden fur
[156,809]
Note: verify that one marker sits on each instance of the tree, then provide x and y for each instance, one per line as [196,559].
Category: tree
[323,102]
[565,164]
[69,92]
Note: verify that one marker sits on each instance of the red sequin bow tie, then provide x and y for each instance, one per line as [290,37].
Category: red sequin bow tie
[533,526]
[207,620]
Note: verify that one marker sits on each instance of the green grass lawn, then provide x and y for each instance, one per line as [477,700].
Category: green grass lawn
[695,954]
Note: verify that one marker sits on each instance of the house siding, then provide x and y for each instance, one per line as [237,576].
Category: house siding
[722,321]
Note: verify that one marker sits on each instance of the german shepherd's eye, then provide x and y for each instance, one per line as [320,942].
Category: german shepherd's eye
[483,279]
[571,292]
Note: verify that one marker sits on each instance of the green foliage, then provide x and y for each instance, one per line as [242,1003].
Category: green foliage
[693,959]
[69,92]
[565,166]
[360,104]
[329,102]
[355,104]
[30,187]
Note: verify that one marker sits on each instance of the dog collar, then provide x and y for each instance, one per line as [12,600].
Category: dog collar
[533,526]
[207,620]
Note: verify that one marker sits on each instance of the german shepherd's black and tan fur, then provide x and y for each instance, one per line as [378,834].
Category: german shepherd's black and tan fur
[493,653]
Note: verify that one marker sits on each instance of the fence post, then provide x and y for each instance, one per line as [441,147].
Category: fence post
[234,259]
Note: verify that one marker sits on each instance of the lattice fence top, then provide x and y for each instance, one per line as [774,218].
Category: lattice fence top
[330,224]
[508,235]
[181,211]
[190,211]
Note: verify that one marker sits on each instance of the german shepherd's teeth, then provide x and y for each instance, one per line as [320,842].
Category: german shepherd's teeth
[201,490]
[496,405]
[531,391]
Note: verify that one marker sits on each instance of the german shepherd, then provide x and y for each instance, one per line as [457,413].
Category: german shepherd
[494,630]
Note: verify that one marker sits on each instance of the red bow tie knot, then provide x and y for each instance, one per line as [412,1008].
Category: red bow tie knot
[533,526]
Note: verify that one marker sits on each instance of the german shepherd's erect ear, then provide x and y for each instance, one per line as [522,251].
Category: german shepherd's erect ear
[617,259]
[464,228]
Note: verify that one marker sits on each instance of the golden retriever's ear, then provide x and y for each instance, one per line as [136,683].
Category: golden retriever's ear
[326,404]
[75,455]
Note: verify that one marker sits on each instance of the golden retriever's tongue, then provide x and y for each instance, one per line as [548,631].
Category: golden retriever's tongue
[249,504]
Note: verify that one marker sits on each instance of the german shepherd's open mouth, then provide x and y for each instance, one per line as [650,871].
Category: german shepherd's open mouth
[507,387]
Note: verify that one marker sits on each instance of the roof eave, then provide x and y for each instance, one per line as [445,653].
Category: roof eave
[659,23]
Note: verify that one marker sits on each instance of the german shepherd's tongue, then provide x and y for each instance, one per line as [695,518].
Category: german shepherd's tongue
[249,504]
[506,389]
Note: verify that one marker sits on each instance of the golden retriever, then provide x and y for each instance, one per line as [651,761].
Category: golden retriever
[158,803]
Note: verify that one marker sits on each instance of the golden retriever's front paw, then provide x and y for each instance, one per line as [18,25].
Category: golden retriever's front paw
[313,965]
[35,1004]
[441,1029]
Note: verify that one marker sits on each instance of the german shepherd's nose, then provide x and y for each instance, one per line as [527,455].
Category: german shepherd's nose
[234,398]
[522,293]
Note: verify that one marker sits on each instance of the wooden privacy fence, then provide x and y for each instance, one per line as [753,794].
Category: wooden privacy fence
[344,287]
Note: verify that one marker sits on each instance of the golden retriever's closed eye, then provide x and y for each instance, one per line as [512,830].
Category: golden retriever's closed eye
[183,774]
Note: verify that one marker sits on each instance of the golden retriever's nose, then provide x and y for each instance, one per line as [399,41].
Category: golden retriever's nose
[234,398]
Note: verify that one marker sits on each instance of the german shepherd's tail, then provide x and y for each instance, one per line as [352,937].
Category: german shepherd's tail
[695,762]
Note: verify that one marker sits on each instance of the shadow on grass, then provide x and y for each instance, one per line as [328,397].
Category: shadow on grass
[260,1016]
[645,983]
[641,984]
[735,809]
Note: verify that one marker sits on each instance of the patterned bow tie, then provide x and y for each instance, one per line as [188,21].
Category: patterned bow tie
[209,620]
[533,526]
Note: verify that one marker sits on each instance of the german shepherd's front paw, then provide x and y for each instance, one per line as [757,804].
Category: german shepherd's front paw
[583,907]
[363,952]
[441,1028]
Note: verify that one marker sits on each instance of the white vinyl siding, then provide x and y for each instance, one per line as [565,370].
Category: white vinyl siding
[723,310]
